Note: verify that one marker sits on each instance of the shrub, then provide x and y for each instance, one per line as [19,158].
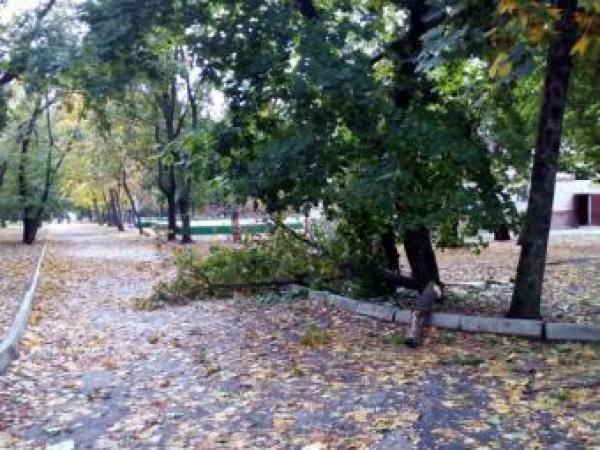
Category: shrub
[257,265]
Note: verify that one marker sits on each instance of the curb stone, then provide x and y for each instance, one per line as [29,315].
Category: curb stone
[10,343]
[498,325]
[572,331]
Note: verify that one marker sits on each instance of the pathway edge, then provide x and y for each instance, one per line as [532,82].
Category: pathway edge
[536,329]
[9,345]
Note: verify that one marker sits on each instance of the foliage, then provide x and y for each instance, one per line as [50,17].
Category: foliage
[255,266]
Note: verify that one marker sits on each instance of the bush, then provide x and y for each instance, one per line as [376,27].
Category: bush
[255,266]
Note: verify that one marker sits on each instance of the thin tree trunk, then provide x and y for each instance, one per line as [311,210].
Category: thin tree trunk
[117,216]
[136,215]
[236,231]
[3,168]
[526,300]
[171,216]
[184,212]
[96,211]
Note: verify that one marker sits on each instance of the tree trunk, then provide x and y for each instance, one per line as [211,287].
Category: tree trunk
[30,229]
[388,244]
[236,231]
[184,212]
[136,216]
[115,205]
[502,233]
[3,168]
[421,256]
[171,216]
[96,211]
[526,300]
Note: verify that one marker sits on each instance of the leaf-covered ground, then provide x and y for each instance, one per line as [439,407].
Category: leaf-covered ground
[16,267]
[241,373]
[571,287]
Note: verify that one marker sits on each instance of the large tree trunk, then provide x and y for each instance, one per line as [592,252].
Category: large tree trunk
[421,256]
[30,229]
[527,294]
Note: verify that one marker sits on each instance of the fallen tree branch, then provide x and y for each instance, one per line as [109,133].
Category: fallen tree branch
[420,315]
[280,224]
[398,279]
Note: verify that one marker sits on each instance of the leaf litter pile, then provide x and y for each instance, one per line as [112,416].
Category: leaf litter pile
[482,283]
[94,372]
[16,269]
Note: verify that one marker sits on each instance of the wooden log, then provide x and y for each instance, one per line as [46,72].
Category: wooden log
[420,315]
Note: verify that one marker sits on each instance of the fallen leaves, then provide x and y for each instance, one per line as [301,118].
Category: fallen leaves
[237,374]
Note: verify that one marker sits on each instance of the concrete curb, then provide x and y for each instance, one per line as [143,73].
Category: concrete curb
[10,343]
[498,325]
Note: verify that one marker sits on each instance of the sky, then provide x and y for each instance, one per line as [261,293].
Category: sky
[13,7]
[216,105]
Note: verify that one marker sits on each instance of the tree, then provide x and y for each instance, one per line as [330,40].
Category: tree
[534,238]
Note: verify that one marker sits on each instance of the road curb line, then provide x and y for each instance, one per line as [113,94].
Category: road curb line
[9,347]
[536,329]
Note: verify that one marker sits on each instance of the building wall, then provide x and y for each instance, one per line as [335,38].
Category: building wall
[596,209]
[563,209]
[563,219]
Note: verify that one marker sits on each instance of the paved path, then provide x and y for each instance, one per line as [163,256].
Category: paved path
[97,373]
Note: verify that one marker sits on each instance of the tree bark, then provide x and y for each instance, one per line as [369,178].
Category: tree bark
[236,231]
[526,300]
[171,216]
[184,212]
[502,233]
[421,256]
[3,168]
[390,250]
[96,211]
[136,215]
[115,205]
[417,240]
[421,314]
[30,229]
[30,225]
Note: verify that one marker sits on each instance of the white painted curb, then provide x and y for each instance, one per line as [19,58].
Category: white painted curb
[498,325]
[10,343]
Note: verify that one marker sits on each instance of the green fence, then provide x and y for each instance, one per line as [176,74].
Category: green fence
[209,230]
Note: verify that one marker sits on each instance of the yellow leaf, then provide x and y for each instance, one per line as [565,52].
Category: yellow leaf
[554,12]
[359,416]
[507,6]
[501,66]
[536,34]
[581,45]
[500,407]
